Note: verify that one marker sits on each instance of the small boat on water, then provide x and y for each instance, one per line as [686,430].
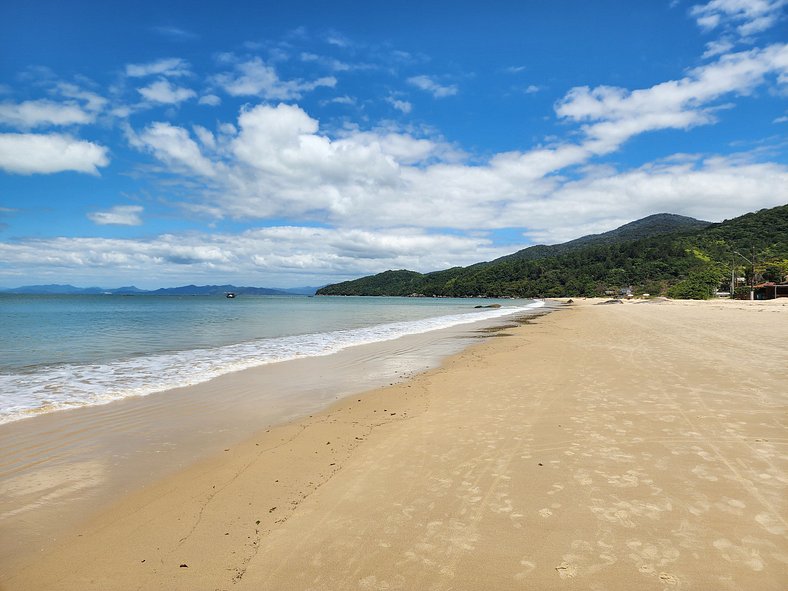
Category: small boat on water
[229,294]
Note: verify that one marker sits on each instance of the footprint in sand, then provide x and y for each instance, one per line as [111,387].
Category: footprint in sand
[747,555]
[770,523]
[545,512]
[566,570]
[556,488]
[528,567]
[668,579]
[583,477]
[703,472]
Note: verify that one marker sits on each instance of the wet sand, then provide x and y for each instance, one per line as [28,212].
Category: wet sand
[634,446]
[58,469]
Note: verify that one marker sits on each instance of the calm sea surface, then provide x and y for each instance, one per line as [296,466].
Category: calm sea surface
[65,351]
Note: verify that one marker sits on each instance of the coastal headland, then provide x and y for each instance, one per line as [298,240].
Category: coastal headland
[631,446]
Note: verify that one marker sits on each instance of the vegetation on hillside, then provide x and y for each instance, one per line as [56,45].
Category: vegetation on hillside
[648,227]
[660,255]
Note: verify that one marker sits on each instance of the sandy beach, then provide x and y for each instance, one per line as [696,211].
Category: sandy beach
[630,446]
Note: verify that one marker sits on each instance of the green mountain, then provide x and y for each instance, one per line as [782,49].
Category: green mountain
[648,227]
[662,254]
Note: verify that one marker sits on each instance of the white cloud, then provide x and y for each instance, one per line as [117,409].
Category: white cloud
[746,17]
[120,215]
[173,146]
[27,153]
[332,63]
[335,64]
[256,78]
[40,113]
[206,138]
[259,256]
[713,189]
[75,107]
[403,106]
[162,91]
[93,102]
[616,114]
[277,163]
[340,100]
[173,67]
[719,47]
[211,100]
[437,90]
[338,39]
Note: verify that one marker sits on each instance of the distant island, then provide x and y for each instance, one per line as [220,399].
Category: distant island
[662,254]
[185,290]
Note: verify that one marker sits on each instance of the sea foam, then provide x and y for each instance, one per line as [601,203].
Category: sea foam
[49,388]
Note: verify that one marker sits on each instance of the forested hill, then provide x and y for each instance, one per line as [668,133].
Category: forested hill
[648,227]
[663,254]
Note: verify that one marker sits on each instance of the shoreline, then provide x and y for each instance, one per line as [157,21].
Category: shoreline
[59,469]
[493,470]
[52,381]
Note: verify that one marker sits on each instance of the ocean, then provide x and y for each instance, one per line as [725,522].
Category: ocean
[66,351]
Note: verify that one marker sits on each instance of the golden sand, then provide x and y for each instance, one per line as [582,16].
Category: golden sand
[634,446]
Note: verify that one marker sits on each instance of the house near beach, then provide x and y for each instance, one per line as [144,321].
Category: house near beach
[771,290]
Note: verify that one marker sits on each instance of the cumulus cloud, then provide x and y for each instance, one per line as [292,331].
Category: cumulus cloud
[277,162]
[616,114]
[428,84]
[120,215]
[163,92]
[41,113]
[260,255]
[75,106]
[173,146]
[92,101]
[256,78]
[172,67]
[746,17]
[205,136]
[28,153]
[714,189]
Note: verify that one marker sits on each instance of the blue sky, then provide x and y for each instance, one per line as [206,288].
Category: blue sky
[301,143]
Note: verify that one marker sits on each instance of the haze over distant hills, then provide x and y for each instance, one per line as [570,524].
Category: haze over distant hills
[189,290]
[660,254]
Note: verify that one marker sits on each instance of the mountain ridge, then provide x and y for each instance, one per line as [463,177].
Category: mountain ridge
[652,225]
[189,290]
[664,254]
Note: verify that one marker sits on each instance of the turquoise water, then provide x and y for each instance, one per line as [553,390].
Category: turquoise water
[64,351]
